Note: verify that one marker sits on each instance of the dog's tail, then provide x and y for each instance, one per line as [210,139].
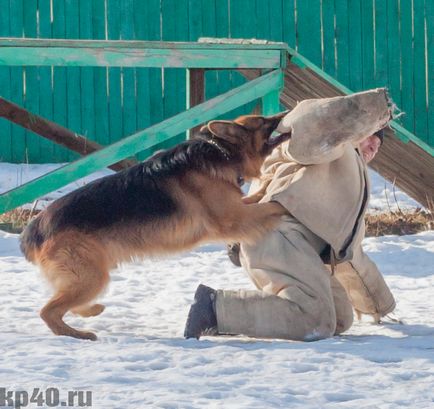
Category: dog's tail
[31,239]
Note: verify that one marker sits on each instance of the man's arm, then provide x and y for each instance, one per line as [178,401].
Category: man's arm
[320,128]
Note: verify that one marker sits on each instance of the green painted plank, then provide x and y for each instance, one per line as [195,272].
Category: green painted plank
[289,23]
[141,16]
[45,90]
[142,45]
[275,22]
[155,96]
[129,121]
[210,26]
[209,19]
[136,57]
[262,19]
[309,30]
[407,89]
[242,24]
[18,134]
[355,44]
[87,80]
[270,103]
[328,28]
[420,108]
[115,92]
[368,44]
[242,18]
[141,140]
[175,20]
[223,77]
[380,28]
[407,136]
[73,74]
[102,133]
[31,101]
[5,88]
[429,7]
[194,27]
[342,43]
[59,80]
[393,51]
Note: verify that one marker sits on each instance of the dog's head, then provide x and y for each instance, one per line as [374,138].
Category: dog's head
[251,136]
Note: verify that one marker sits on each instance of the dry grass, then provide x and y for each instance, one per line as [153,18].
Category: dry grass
[15,220]
[399,223]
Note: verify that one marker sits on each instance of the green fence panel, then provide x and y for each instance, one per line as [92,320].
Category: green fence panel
[127,32]
[141,16]
[361,43]
[100,78]
[328,62]
[114,90]
[367,44]
[45,90]
[73,74]
[18,135]
[419,84]
[5,86]
[393,51]
[31,95]
[241,11]
[355,44]
[87,79]
[407,88]
[309,30]
[429,7]
[342,44]
[60,113]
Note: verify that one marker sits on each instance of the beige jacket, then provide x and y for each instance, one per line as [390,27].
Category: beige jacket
[328,191]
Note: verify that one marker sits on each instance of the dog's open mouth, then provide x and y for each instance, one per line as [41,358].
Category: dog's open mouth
[277,138]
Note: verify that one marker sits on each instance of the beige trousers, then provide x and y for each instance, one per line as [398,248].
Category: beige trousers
[297,298]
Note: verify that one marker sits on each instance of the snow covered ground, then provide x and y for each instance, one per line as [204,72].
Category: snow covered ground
[141,359]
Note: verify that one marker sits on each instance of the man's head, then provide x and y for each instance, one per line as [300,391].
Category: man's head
[369,147]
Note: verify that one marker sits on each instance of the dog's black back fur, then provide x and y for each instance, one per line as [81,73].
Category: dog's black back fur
[134,194]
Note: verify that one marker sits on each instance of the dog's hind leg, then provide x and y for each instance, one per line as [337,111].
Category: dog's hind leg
[75,297]
[53,314]
[76,267]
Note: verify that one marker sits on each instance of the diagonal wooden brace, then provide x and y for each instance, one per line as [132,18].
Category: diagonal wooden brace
[54,132]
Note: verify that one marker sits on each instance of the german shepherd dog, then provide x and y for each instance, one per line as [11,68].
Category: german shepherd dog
[173,201]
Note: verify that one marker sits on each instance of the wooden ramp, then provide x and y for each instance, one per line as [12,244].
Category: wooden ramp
[403,159]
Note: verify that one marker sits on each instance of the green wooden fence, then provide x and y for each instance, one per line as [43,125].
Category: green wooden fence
[361,43]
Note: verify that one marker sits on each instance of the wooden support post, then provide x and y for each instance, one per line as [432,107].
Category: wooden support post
[271,101]
[195,93]
[54,132]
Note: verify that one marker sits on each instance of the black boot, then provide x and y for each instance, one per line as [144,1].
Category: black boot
[202,318]
[233,250]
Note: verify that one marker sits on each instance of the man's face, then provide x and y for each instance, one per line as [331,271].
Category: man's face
[369,147]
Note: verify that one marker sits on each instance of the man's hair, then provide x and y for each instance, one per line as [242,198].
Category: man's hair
[380,135]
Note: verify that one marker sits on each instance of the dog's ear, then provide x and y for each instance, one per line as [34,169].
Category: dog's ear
[228,131]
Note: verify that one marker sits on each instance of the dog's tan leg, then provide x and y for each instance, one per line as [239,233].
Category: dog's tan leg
[76,266]
[88,310]
[53,314]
